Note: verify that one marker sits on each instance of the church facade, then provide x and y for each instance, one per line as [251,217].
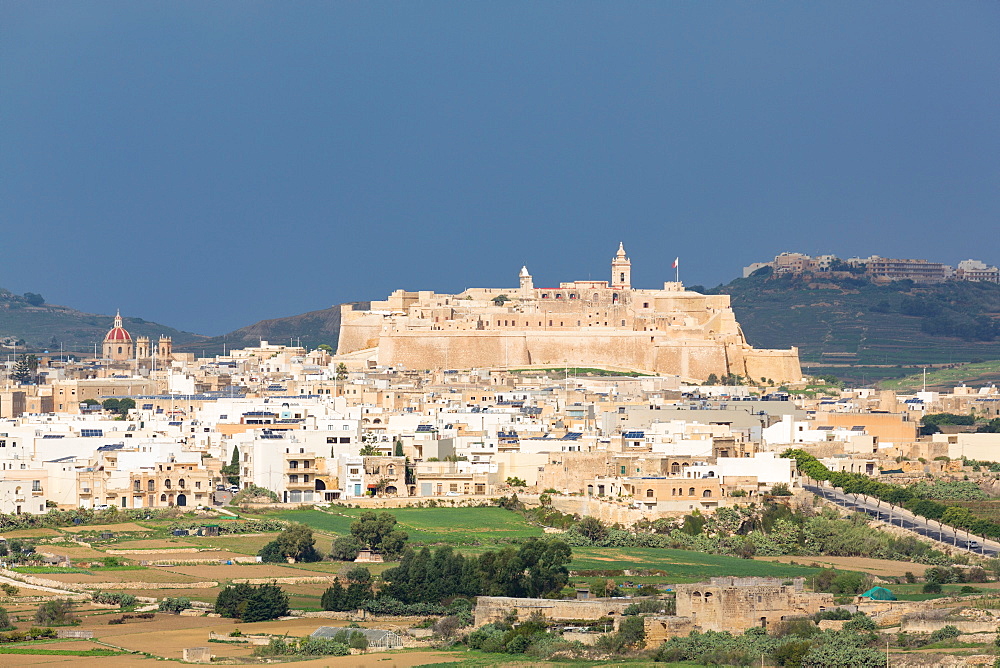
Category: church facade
[119,346]
[606,324]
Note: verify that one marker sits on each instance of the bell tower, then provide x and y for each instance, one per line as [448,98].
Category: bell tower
[527,284]
[621,269]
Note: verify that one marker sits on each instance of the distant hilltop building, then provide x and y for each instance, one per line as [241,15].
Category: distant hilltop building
[119,346]
[881,269]
[606,324]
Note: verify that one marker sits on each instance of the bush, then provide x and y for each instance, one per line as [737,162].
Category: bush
[120,599]
[345,548]
[174,604]
[252,604]
[931,588]
[5,624]
[55,613]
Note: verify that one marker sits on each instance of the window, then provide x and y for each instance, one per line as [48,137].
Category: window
[166,483]
[36,485]
[180,483]
[305,477]
[293,478]
[293,464]
[345,439]
[649,494]
[197,484]
[691,492]
[150,485]
[137,486]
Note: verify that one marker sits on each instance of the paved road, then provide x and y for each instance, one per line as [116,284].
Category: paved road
[919,525]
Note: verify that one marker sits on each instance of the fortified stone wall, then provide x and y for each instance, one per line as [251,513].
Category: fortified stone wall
[493,608]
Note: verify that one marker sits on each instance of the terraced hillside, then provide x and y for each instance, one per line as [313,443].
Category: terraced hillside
[858,327]
[37,326]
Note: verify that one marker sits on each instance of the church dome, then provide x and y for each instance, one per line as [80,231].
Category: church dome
[118,334]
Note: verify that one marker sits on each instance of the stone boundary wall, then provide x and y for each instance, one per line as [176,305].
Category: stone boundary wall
[39,582]
[107,586]
[166,550]
[931,625]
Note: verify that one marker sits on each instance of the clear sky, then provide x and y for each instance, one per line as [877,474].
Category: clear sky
[210,164]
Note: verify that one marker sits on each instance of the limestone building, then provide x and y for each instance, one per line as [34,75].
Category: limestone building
[120,347]
[581,323]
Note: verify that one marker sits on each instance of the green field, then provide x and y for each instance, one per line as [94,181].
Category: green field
[980,373]
[431,526]
[474,530]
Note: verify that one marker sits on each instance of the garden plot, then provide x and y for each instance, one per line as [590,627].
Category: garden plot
[245,544]
[150,575]
[124,527]
[31,533]
[241,571]
[885,567]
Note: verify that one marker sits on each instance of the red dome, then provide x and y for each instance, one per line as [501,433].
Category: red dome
[118,334]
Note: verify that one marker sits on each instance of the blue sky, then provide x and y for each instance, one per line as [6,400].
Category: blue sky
[207,165]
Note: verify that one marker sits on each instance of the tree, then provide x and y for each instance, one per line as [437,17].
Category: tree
[345,548]
[5,624]
[55,613]
[118,406]
[24,368]
[34,299]
[516,482]
[268,601]
[325,347]
[398,448]
[341,371]
[369,450]
[592,528]
[358,574]
[378,532]
[296,543]
[500,300]
[252,604]
[232,469]
[712,379]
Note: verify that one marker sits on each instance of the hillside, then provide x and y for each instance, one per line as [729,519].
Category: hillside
[36,326]
[308,329]
[860,330]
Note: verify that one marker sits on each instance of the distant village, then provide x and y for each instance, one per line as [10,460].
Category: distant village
[879,269]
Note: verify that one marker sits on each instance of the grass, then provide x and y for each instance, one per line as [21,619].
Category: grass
[39,570]
[975,373]
[431,526]
[477,659]
[682,565]
[61,652]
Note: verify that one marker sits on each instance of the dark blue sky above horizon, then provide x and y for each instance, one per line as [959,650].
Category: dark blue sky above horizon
[208,165]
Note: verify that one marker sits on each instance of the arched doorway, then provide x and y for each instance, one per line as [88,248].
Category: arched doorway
[320,485]
[181,500]
[391,489]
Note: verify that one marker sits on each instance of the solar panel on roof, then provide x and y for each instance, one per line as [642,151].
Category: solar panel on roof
[635,434]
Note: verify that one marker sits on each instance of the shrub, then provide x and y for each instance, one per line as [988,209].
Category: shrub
[174,604]
[55,613]
[250,603]
[345,548]
[931,588]
[5,624]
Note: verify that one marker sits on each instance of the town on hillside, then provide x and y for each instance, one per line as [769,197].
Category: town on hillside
[589,472]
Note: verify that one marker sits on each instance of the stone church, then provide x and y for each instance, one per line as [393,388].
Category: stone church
[119,347]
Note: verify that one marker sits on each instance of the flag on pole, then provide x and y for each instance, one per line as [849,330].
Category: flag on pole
[677,263]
